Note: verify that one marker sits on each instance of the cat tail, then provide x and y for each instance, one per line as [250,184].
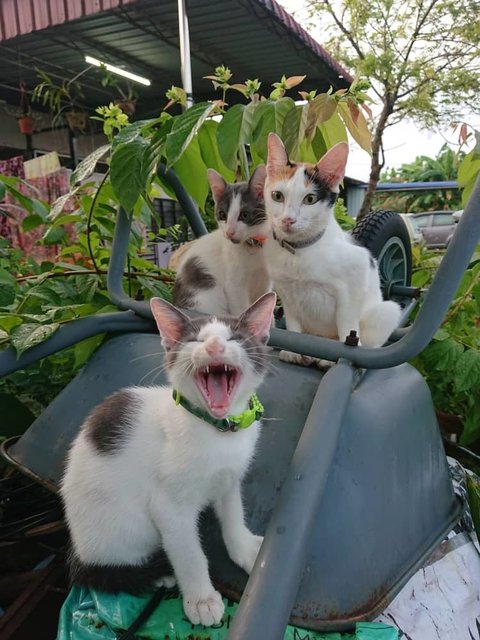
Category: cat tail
[378,323]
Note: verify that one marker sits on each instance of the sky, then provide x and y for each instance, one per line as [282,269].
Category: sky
[403,142]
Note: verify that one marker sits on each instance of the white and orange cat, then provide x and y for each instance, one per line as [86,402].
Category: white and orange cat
[328,284]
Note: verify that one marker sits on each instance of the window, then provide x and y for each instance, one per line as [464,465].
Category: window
[442,220]
[421,221]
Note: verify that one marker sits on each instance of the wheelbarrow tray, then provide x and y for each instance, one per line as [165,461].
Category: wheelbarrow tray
[388,501]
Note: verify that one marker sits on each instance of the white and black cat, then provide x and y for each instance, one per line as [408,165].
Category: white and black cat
[148,460]
[329,285]
[224,271]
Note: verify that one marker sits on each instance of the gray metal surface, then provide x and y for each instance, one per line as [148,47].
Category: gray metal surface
[387,497]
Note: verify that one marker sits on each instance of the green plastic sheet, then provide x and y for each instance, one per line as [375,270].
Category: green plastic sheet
[91,615]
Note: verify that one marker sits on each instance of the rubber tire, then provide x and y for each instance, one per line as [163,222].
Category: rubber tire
[379,227]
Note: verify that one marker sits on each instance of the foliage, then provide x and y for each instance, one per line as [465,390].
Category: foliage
[36,299]
[469,168]
[112,118]
[58,96]
[423,169]
[232,140]
[451,362]
[422,59]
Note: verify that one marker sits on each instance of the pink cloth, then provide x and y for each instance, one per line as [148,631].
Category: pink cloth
[47,188]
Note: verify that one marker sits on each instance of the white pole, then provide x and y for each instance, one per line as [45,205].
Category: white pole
[186,67]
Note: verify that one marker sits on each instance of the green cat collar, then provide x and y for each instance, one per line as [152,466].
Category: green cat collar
[232,423]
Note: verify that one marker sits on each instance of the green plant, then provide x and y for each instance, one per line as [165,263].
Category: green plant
[58,96]
[113,119]
[406,49]
[451,362]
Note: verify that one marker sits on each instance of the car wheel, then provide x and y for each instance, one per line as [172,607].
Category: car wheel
[385,235]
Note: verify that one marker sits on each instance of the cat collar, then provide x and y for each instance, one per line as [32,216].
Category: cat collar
[232,423]
[301,244]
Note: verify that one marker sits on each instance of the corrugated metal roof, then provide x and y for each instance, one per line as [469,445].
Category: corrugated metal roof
[18,17]
[255,38]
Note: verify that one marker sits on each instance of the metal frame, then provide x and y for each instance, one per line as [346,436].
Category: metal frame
[137,316]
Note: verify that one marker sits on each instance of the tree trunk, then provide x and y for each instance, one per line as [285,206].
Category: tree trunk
[375,166]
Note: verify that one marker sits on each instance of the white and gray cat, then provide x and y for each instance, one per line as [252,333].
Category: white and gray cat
[145,463]
[225,271]
[328,284]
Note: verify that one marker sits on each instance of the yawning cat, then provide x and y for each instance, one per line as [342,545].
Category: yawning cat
[329,285]
[224,271]
[145,464]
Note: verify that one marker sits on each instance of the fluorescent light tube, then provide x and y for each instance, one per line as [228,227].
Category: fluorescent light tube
[118,71]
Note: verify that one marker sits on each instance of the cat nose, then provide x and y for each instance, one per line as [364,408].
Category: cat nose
[214,347]
[229,234]
[287,222]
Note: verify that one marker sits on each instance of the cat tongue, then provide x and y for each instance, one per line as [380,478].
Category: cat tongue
[217,388]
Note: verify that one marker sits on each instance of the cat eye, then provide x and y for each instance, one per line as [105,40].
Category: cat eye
[310,198]
[221,215]
[243,216]
[277,196]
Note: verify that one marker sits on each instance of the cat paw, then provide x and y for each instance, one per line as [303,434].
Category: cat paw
[246,552]
[167,581]
[205,609]
[296,358]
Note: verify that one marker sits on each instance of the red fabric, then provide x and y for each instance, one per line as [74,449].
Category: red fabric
[47,188]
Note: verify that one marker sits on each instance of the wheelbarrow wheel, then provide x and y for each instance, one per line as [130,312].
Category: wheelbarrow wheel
[385,235]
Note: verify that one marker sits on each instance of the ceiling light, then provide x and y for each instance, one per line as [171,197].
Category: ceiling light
[118,71]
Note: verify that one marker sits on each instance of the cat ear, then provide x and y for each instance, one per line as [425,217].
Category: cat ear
[217,184]
[332,166]
[277,156]
[257,181]
[258,317]
[170,321]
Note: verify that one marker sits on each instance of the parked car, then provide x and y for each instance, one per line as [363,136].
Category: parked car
[416,236]
[437,227]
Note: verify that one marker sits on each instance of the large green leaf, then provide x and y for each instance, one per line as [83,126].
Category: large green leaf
[184,129]
[88,164]
[10,321]
[283,106]
[8,287]
[234,130]
[290,131]
[264,121]
[84,350]
[128,172]
[32,222]
[28,335]
[207,139]
[467,371]
[192,173]
[333,130]
[358,128]
[135,129]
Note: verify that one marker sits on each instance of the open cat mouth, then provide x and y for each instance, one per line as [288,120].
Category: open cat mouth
[217,384]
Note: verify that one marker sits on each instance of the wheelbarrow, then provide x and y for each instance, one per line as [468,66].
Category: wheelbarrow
[350,485]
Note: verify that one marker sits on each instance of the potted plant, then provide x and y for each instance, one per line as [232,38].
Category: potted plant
[24,116]
[128,96]
[62,99]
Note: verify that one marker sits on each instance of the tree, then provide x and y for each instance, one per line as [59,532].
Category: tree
[423,169]
[422,57]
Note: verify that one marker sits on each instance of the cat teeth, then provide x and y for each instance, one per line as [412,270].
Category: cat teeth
[225,368]
[208,369]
